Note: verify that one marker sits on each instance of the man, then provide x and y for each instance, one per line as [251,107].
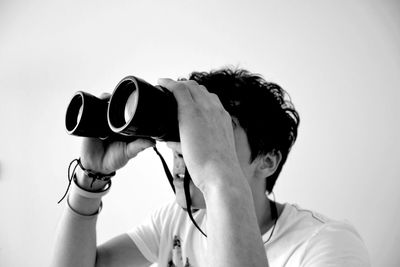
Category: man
[236,131]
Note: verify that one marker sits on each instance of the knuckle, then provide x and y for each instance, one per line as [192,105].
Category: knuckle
[179,87]
[214,97]
[224,112]
[191,83]
[203,88]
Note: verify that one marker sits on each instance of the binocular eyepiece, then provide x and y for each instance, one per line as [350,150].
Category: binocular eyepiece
[135,109]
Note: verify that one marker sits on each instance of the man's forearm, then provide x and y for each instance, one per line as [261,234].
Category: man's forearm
[75,243]
[234,237]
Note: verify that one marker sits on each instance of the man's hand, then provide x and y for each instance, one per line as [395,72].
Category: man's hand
[206,132]
[209,151]
[106,156]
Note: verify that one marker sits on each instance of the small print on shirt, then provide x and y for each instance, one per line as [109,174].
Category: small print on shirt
[175,258]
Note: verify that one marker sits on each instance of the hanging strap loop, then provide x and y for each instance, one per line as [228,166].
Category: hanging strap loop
[186,183]
[166,170]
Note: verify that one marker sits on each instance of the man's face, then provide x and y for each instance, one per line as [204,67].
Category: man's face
[198,202]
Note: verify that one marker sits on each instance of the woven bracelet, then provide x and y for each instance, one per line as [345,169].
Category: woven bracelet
[91,174]
[96,175]
[76,188]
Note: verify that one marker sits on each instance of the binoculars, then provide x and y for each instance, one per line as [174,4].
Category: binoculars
[136,109]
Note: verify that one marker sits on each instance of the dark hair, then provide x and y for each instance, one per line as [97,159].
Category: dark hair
[263,109]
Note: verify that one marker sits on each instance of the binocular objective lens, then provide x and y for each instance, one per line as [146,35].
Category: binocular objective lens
[130,106]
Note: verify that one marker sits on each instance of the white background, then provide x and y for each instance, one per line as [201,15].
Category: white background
[339,60]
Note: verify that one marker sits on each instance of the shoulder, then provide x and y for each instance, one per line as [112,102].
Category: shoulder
[317,224]
[300,223]
[336,241]
[294,211]
[322,240]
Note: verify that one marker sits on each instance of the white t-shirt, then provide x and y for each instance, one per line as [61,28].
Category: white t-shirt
[300,238]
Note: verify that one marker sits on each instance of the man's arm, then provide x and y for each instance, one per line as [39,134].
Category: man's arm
[120,251]
[208,145]
[75,243]
[233,233]
[76,239]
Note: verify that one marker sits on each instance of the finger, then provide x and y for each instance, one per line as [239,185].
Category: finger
[90,142]
[167,83]
[137,146]
[215,99]
[198,92]
[180,91]
[202,96]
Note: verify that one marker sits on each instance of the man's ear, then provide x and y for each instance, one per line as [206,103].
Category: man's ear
[267,164]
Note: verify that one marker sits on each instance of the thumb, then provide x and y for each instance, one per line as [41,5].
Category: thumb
[137,146]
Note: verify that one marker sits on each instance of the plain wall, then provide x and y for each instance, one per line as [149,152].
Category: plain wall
[339,61]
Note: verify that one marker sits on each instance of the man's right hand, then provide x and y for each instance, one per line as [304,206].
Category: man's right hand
[107,156]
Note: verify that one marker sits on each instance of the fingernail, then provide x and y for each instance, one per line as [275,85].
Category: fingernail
[164,80]
[161,80]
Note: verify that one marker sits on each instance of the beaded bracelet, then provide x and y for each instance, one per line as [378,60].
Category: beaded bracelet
[76,188]
[91,174]
[95,175]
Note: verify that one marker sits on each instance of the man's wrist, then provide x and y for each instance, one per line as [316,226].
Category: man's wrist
[229,185]
[85,202]
[82,205]
[87,183]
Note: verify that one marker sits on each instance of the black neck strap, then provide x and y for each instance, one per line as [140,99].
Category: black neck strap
[166,170]
[186,184]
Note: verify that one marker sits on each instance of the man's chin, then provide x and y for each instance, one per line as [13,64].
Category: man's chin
[196,197]
[182,203]
[192,209]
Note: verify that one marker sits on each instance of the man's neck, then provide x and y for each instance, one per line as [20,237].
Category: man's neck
[263,209]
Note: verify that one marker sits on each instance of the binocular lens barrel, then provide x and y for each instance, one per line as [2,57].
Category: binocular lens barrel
[87,116]
[135,109]
[74,113]
[123,104]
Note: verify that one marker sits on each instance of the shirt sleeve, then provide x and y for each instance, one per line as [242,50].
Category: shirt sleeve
[147,236]
[336,245]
